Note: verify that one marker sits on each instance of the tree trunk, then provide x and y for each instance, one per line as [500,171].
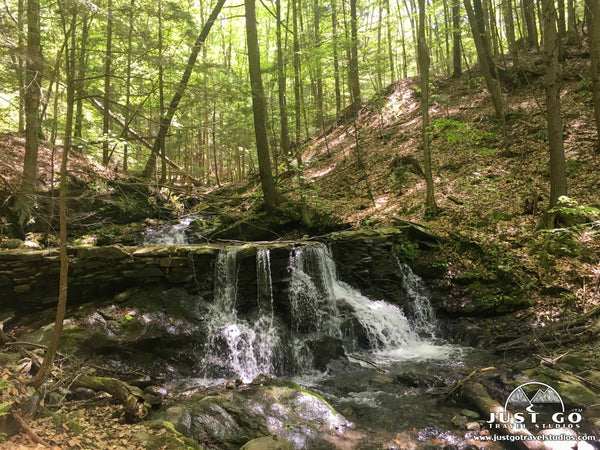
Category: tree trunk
[107,68]
[297,97]
[571,21]
[509,23]
[317,64]
[33,82]
[484,57]
[423,55]
[70,60]
[259,109]
[161,96]
[81,70]
[336,63]
[165,121]
[128,85]
[281,83]
[529,13]
[353,76]
[388,24]
[20,65]
[558,177]
[593,13]
[562,19]
[456,56]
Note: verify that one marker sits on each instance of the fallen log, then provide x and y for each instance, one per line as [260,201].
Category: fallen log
[131,397]
[476,394]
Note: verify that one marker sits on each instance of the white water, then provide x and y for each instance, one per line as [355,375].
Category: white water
[246,347]
[237,347]
[391,336]
[169,234]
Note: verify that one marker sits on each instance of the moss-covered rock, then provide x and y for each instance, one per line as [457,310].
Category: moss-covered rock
[235,417]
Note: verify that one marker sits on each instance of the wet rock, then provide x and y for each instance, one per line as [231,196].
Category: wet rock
[268,443]
[154,395]
[235,417]
[324,350]
[82,393]
[473,426]
[459,421]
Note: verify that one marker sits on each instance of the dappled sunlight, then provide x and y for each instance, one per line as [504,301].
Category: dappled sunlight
[320,173]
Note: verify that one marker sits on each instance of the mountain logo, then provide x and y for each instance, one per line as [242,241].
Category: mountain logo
[533,394]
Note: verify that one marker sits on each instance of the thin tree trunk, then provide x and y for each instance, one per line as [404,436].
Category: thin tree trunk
[353,75]
[509,24]
[281,83]
[562,19]
[317,61]
[259,109]
[165,121]
[484,58]
[33,82]
[20,65]
[128,85]
[336,63]
[161,96]
[558,177]
[70,59]
[81,70]
[457,68]
[107,68]
[423,55]
[388,24]
[529,13]
[297,97]
[571,21]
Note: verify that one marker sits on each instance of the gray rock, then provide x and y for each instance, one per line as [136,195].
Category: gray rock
[268,443]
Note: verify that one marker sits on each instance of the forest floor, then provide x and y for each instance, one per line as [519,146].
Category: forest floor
[491,185]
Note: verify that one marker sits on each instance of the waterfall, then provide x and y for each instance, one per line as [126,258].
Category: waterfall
[169,234]
[237,347]
[422,315]
[259,342]
[311,293]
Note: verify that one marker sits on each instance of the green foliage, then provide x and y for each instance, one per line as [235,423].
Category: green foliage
[406,250]
[370,221]
[570,207]
[465,135]
[397,179]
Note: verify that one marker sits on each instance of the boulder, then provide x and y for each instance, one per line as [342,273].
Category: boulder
[280,409]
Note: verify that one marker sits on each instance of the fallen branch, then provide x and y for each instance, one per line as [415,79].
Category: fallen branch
[28,430]
[131,397]
[368,362]
[462,382]
[476,394]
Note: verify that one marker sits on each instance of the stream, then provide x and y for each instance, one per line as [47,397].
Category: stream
[382,369]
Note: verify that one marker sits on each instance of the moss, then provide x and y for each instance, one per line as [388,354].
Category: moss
[71,338]
[175,440]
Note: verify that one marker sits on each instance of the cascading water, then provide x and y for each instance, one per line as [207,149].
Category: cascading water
[421,313]
[244,347]
[170,234]
[237,347]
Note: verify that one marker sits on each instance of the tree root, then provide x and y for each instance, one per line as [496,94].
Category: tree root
[131,397]
[28,430]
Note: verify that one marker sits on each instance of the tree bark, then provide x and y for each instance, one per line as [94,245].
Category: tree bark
[70,61]
[281,83]
[423,55]
[529,14]
[353,75]
[509,23]
[593,14]
[259,109]
[336,63]
[166,120]
[107,75]
[456,54]
[33,82]
[484,57]
[558,175]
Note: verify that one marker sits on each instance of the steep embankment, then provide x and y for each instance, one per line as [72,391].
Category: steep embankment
[491,182]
